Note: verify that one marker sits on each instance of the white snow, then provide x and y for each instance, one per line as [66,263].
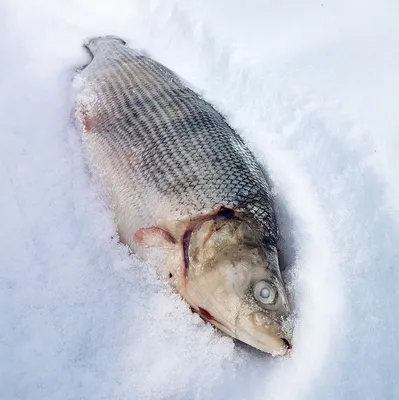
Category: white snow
[313,87]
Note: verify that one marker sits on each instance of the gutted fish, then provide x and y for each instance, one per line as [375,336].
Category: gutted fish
[187,194]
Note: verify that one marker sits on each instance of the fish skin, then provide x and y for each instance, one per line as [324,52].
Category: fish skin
[184,149]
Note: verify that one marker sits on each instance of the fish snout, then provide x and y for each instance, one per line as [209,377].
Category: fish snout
[270,334]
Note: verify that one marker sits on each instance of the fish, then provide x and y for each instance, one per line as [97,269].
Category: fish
[187,193]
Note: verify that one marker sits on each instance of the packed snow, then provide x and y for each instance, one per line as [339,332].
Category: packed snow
[313,87]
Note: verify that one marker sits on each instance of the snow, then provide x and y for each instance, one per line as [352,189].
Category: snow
[313,87]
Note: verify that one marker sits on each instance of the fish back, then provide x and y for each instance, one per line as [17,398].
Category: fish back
[162,150]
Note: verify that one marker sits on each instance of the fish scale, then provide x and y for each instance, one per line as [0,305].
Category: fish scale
[161,150]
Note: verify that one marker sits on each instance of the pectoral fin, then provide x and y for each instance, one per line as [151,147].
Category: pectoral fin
[154,237]
[161,249]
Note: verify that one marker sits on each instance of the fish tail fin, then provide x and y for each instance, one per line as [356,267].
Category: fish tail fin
[93,44]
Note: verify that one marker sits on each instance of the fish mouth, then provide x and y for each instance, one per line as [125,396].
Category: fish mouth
[280,346]
[265,335]
[288,345]
[255,336]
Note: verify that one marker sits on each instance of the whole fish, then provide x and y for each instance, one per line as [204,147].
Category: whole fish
[188,195]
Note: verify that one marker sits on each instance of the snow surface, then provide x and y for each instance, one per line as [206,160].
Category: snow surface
[313,87]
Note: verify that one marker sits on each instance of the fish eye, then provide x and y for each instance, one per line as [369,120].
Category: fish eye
[265,292]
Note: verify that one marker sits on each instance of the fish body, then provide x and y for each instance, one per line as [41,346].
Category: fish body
[188,195]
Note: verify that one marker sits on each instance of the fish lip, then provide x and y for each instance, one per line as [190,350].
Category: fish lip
[272,341]
[253,341]
[284,350]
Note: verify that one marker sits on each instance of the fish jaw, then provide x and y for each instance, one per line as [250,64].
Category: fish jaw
[255,335]
[252,328]
[260,331]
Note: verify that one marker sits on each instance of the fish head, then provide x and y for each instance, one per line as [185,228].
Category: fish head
[234,282]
